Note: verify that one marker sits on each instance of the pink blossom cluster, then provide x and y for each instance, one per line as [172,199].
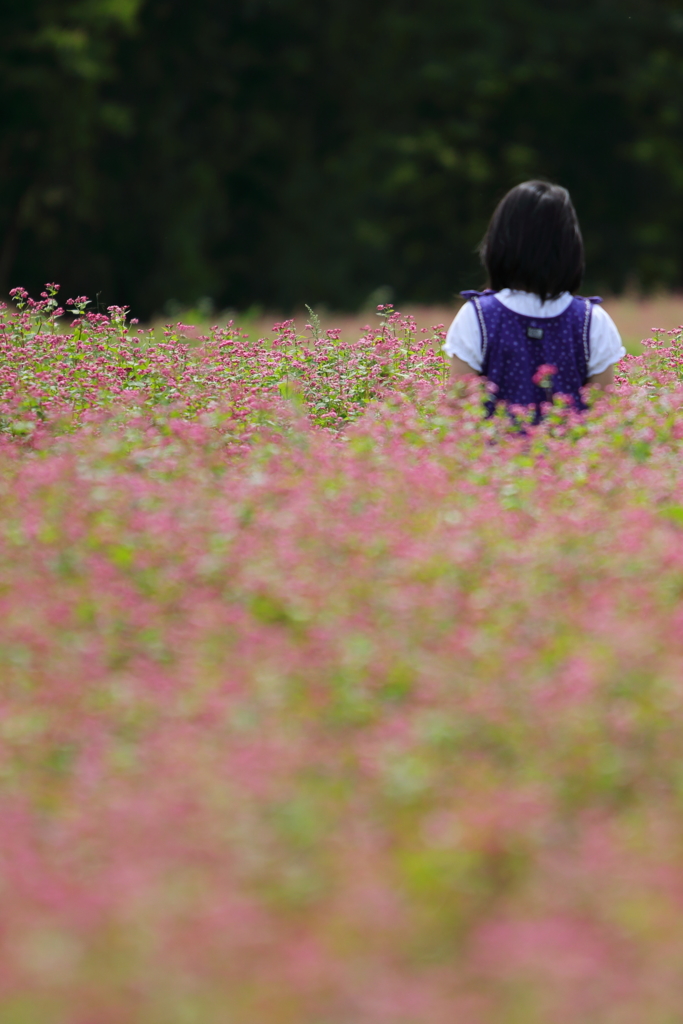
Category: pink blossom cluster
[372,726]
[54,375]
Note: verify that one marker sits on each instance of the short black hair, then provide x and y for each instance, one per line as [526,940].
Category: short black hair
[533,241]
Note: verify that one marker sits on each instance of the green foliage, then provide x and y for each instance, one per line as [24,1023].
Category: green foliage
[269,150]
[57,60]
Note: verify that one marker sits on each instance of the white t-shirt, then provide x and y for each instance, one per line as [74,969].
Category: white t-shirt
[464,335]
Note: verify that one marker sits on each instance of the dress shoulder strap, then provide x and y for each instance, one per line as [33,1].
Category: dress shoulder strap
[475,298]
[587,303]
[472,293]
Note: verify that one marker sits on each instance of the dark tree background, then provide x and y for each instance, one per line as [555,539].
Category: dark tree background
[282,151]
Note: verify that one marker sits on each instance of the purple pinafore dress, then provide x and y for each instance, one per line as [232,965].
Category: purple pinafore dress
[515,345]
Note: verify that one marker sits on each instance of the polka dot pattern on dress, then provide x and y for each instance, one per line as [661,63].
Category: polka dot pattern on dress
[515,345]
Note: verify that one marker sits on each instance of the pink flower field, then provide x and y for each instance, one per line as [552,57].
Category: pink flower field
[325,700]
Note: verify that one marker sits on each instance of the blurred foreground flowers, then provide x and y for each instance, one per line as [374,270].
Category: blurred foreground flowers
[333,726]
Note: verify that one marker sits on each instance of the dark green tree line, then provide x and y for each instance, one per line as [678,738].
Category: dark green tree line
[281,151]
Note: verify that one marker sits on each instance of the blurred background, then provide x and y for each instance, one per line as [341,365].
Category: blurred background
[259,154]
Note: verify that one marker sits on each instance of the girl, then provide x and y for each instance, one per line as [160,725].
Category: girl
[528,334]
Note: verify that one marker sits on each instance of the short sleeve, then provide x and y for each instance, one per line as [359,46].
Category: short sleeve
[606,347]
[464,338]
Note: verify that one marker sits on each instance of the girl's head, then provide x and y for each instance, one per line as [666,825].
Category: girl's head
[533,242]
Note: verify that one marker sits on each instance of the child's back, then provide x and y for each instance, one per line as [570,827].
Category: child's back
[530,319]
